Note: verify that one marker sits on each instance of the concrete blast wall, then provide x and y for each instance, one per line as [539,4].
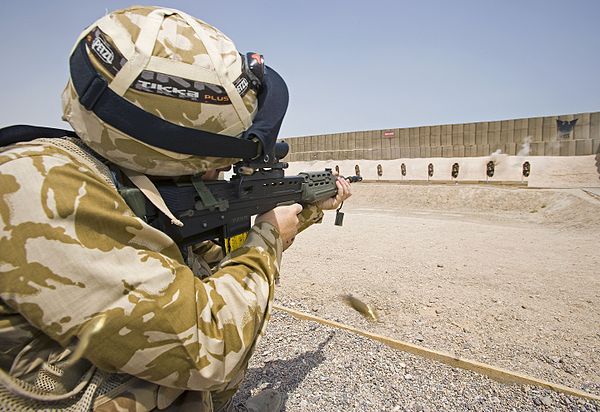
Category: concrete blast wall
[564,154]
[539,136]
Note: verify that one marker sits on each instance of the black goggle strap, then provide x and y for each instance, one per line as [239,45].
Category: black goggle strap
[273,101]
[95,95]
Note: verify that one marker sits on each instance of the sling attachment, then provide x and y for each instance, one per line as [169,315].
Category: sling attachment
[339,216]
[207,199]
[142,182]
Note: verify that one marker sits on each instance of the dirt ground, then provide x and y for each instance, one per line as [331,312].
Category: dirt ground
[505,276]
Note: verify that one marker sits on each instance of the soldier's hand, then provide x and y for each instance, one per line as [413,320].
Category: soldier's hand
[285,219]
[344,192]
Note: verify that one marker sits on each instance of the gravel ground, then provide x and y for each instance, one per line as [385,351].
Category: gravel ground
[508,277]
[322,369]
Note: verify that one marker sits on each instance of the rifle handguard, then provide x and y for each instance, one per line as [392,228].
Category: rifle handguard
[318,186]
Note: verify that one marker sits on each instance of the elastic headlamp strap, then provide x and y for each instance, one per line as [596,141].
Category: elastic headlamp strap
[143,51]
[95,95]
[221,71]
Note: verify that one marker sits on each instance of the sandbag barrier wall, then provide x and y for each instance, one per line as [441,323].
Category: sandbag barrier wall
[536,136]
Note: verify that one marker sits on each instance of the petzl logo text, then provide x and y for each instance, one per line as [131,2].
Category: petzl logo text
[242,86]
[103,50]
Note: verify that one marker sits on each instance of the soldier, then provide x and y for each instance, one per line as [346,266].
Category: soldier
[98,310]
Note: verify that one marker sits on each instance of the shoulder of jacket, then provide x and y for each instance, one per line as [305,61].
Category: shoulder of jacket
[68,148]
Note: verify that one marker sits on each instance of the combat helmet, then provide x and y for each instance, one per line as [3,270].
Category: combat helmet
[159,92]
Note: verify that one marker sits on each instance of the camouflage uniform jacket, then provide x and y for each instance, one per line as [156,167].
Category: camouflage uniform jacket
[95,301]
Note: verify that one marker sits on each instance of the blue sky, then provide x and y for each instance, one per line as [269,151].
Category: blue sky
[352,65]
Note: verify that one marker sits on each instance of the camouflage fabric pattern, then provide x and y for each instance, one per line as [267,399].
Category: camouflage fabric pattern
[310,215]
[177,44]
[73,255]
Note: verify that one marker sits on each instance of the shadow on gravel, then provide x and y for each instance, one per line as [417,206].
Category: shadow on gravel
[283,375]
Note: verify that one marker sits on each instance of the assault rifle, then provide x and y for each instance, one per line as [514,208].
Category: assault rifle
[222,209]
[214,210]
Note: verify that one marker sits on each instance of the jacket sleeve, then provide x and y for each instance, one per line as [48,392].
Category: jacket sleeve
[73,256]
[310,215]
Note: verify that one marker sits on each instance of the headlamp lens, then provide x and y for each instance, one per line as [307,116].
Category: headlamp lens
[254,68]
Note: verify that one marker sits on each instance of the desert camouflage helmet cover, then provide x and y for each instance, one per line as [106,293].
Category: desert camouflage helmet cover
[173,66]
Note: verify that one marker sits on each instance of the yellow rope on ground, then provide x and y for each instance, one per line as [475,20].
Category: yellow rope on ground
[499,374]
